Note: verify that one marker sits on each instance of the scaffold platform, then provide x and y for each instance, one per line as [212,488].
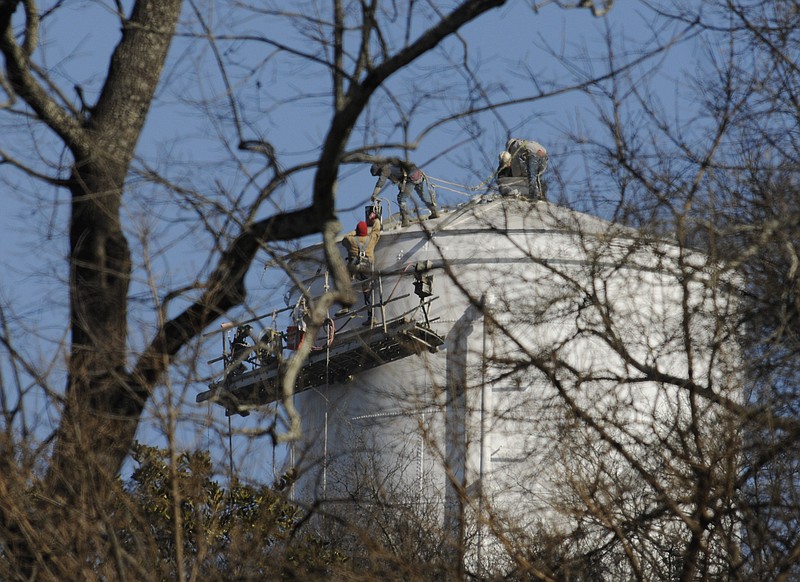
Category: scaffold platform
[351,352]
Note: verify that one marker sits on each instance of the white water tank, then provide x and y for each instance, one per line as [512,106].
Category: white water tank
[565,340]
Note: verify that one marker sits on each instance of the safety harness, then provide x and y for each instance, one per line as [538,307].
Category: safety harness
[361,261]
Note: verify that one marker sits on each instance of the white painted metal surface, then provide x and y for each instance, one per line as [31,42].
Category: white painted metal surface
[519,285]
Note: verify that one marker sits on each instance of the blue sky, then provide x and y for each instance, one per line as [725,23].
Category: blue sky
[287,104]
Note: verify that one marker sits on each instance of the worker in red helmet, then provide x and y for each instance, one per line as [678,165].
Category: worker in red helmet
[360,245]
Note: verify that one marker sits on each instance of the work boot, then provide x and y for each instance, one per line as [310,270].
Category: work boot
[405,221]
[434,212]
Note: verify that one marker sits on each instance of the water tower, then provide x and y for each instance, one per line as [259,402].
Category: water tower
[509,334]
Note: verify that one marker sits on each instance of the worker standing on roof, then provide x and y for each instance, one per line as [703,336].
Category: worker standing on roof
[506,183]
[407,177]
[528,160]
[360,245]
[504,165]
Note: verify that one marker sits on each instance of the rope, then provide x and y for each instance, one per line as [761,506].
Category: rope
[483,184]
[330,332]
[455,191]
[391,294]
[434,183]
[388,207]
[443,181]
[230,447]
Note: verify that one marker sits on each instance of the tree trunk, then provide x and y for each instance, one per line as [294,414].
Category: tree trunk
[101,406]
[99,397]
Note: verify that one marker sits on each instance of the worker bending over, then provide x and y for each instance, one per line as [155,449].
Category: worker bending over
[525,159]
[408,179]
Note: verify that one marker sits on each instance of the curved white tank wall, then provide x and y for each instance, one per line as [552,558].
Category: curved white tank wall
[491,410]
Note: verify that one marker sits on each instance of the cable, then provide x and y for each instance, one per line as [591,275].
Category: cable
[330,332]
[455,191]
[488,180]
[398,281]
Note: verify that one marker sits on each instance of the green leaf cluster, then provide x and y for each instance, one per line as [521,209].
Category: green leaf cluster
[177,511]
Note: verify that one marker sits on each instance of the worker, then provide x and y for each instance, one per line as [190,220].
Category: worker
[407,178]
[528,160]
[360,245]
[506,183]
[239,348]
[504,165]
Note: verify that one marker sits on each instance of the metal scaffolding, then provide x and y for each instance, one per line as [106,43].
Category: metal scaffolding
[345,354]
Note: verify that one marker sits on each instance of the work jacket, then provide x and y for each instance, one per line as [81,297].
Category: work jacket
[362,246]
